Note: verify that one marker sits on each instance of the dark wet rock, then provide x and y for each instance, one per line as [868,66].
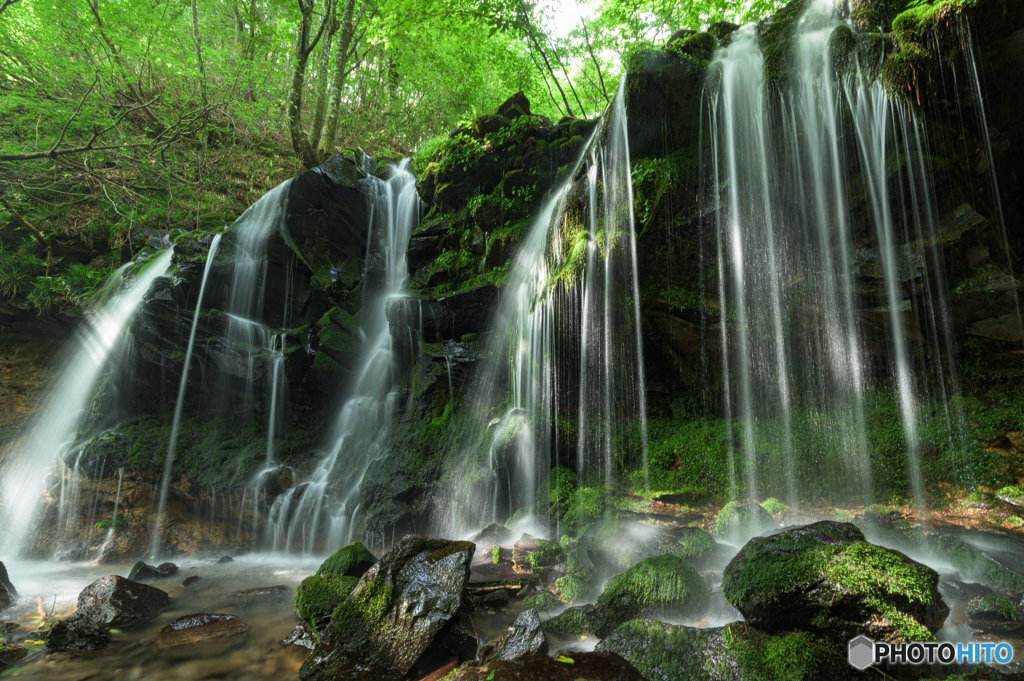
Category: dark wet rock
[9,656]
[77,634]
[448,317]
[574,622]
[666,652]
[8,594]
[459,638]
[740,520]
[492,535]
[114,601]
[569,666]
[191,581]
[226,559]
[147,573]
[348,561]
[524,637]
[515,106]
[262,591]
[394,613]
[826,579]
[496,599]
[200,629]
[301,635]
[666,586]
[994,614]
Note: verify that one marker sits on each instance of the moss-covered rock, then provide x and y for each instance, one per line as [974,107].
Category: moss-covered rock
[991,607]
[578,581]
[317,597]
[544,602]
[665,652]
[577,621]
[666,586]
[739,520]
[351,561]
[626,544]
[394,614]
[826,579]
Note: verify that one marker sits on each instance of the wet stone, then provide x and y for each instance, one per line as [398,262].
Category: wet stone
[9,656]
[496,599]
[394,614]
[226,559]
[191,581]
[263,591]
[199,629]
[8,594]
[301,635]
[114,601]
[77,634]
[147,573]
[524,637]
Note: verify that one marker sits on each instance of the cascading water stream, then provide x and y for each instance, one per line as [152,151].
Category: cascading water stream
[793,272]
[56,426]
[326,507]
[180,403]
[575,269]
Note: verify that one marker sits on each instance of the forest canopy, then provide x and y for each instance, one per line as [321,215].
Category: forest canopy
[122,114]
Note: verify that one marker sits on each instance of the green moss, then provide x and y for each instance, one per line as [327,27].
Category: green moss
[324,362]
[665,586]
[544,601]
[837,559]
[559,485]
[921,15]
[318,596]
[349,561]
[496,553]
[576,621]
[773,506]
[586,505]
[792,656]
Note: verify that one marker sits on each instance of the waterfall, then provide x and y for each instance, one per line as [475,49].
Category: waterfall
[797,248]
[68,399]
[180,403]
[327,505]
[575,271]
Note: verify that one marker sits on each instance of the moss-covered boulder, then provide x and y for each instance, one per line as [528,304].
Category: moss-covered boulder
[545,601]
[826,579]
[666,652]
[317,597]
[574,622]
[394,614]
[536,552]
[740,520]
[348,561]
[666,586]
[578,581]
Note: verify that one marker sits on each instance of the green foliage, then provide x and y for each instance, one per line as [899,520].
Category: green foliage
[577,621]
[791,656]
[1000,605]
[773,506]
[741,519]
[118,523]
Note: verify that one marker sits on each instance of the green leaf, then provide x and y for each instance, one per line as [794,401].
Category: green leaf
[564,659]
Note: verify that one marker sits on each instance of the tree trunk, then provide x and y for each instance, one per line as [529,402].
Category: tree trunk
[303,48]
[330,129]
[321,100]
[199,51]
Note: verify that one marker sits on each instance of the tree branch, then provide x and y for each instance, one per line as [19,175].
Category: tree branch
[7,3]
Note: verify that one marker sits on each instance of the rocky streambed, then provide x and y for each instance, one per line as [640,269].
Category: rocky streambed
[623,600]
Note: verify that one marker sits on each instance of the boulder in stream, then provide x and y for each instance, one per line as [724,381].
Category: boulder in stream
[114,601]
[192,630]
[317,597]
[826,579]
[77,634]
[493,535]
[262,592]
[11,655]
[666,586]
[395,612]
[524,637]
[147,573]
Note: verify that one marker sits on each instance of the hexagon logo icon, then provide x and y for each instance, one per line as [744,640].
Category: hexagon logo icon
[861,652]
